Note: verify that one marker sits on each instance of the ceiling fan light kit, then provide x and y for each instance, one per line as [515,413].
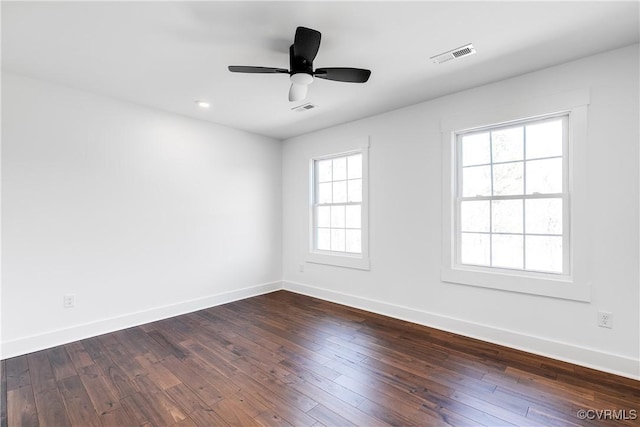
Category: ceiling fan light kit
[301,55]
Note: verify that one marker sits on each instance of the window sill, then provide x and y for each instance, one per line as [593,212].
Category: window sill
[346,261]
[562,287]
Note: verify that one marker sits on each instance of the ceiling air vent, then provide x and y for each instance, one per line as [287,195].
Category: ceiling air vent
[304,107]
[453,54]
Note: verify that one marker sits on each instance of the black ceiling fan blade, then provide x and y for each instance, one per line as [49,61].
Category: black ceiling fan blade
[245,69]
[306,43]
[342,74]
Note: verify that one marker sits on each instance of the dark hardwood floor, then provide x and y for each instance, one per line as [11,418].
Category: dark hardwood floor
[287,359]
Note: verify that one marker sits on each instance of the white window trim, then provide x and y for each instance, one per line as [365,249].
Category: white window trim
[575,284]
[339,259]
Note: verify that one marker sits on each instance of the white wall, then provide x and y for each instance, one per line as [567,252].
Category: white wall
[139,213]
[405,221]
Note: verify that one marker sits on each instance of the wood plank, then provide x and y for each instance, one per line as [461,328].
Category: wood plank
[275,386]
[94,348]
[17,372]
[157,372]
[207,418]
[212,358]
[79,407]
[116,418]
[142,411]
[51,409]
[211,375]
[387,398]
[266,398]
[78,355]
[136,341]
[3,394]
[21,407]
[41,372]
[538,416]
[102,394]
[186,399]
[327,417]
[116,377]
[155,409]
[309,378]
[233,413]
[61,363]
[168,343]
[344,401]
[272,419]
[187,422]
[123,359]
[204,390]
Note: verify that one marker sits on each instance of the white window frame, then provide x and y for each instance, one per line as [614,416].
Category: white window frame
[342,259]
[572,284]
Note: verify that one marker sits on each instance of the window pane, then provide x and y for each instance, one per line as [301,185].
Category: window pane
[544,140]
[474,215]
[543,216]
[507,179]
[475,149]
[324,193]
[475,249]
[506,216]
[506,251]
[339,168]
[507,144]
[353,217]
[323,241]
[337,216]
[476,181]
[544,176]
[544,253]
[340,192]
[355,190]
[353,243]
[323,168]
[355,166]
[337,240]
[323,216]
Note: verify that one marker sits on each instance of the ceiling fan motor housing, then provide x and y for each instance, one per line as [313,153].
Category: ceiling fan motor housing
[298,64]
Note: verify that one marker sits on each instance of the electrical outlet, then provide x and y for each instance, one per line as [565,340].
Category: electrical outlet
[605,319]
[301,267]
[69,301]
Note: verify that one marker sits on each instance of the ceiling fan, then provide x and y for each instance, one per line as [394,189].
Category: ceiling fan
[301,55]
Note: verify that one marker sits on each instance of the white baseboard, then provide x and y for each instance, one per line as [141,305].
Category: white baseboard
[78,332]
[591,358]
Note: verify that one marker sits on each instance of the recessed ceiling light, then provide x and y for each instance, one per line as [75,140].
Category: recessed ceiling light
[203,104]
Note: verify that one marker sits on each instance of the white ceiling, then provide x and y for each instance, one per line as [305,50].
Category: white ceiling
[168,54]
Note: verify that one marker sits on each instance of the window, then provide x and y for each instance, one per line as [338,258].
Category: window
[512,198]
[338,211]
[338,204]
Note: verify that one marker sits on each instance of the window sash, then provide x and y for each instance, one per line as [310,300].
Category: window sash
[316,204]
[458,199]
